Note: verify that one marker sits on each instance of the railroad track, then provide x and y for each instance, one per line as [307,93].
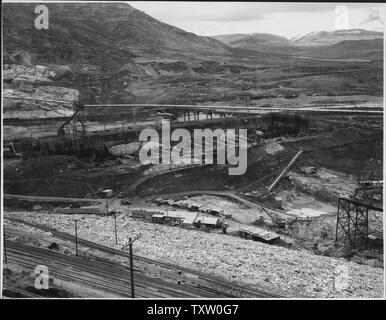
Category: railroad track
[97,274]
[23,293]
[210,282]
[72,276]
[52,199]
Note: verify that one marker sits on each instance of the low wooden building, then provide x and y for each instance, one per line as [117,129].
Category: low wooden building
[188,222]
[158,218]
[258,234]
[79,210]
[144,214]
[207,222]
[174,217]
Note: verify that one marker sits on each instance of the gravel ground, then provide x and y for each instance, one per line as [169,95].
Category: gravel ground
[245,261]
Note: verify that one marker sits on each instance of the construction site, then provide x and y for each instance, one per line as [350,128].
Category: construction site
[78,200]
[312,188]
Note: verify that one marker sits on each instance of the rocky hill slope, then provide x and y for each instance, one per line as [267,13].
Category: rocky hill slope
[86,32]
[369,49]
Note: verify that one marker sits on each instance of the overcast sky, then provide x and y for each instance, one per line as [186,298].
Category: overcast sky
[285,19]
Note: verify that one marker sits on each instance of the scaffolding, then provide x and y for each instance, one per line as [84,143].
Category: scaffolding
[352,224]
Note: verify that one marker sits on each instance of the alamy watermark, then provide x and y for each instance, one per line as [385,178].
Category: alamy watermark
[156,150]
[42,280]
[341,274]
[41,21]
[342,19]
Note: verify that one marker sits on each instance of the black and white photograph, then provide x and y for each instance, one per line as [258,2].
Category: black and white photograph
[164,151]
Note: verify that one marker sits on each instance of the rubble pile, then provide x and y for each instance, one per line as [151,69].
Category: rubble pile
[273,147]
[324,184]
[124,149]
[293,272]
[17,74]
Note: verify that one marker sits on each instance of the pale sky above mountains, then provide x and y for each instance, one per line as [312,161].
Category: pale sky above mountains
[288,19]
[285,19]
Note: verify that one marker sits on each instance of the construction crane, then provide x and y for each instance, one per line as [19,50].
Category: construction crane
[74,122]
[277,180]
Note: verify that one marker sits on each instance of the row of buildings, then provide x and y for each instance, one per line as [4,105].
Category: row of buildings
[180,218]
[204,222]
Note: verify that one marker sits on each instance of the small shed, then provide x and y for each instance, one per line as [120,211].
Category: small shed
[258,234]
[143,214]
[158,218]
[107,193]
[188,222]
[210,222]
[174,217]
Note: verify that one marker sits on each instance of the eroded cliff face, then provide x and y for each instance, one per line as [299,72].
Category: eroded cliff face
[30,92]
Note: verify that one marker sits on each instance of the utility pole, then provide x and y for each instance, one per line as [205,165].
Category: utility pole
[131,268]
[115,227]
[76,236]
[5,249]
[130,244]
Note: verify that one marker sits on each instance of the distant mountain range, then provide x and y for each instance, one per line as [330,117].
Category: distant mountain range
[264,42]
[252,38]
[339,44]
[332,37]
